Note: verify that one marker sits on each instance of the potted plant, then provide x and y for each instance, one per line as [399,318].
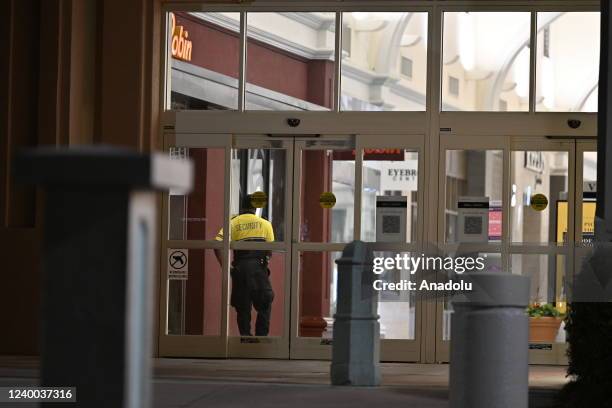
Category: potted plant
[544,322]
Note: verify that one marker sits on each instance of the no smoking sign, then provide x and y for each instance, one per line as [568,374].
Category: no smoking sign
[178,264]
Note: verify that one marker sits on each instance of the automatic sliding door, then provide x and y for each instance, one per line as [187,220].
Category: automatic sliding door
[260,191]
[323,223]
[528,187]
[471,184]
[391,221]
[542,181]
[192,319]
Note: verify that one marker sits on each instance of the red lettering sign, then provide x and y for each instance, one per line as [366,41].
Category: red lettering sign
[372,154]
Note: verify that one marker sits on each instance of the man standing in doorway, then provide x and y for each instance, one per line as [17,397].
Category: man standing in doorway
[251,285]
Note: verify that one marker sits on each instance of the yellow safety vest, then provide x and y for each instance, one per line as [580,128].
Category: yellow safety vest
[249,227]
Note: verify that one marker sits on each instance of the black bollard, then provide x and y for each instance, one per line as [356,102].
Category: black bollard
[98,268]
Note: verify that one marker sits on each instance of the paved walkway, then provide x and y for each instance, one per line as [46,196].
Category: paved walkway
[194,383]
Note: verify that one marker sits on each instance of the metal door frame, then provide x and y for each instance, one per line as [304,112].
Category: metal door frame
[508,144]
[289,345]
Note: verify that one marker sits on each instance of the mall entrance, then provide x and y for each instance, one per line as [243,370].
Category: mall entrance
[428,105]
[319,192]
[545,241]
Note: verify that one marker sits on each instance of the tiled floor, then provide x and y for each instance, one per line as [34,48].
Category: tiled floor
[282,383]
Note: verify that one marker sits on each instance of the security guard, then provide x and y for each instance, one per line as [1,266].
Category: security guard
[250,274]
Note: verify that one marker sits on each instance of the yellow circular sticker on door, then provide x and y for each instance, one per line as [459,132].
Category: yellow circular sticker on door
[538,202]
[259,199]
[327,199]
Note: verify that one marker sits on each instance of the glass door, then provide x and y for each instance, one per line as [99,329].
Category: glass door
[529,187]
[310,196]
[471,172]
[323,223]
[193,282]
[341,185]
[261,187]
[391,220]
[542,206]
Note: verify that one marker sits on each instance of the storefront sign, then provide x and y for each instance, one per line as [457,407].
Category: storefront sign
[588,221]
[534,161]
[180,45]
[495,224]
[399,176]
[372,154]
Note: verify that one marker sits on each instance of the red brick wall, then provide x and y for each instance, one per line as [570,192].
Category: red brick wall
[217,49]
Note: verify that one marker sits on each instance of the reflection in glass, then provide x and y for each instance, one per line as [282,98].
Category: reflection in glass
[194,304]
[485,63]
[384,61]
[204,53]
[568,61]
[290,61]
[390,183]
[198,215]
[473,174]
[543,173]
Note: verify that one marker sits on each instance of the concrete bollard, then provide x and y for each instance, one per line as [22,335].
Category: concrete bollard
[489,364]
[356,342]
[98,268]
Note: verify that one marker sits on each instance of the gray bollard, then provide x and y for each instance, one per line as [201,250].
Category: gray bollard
[98,268]
[356,343]
[489,362]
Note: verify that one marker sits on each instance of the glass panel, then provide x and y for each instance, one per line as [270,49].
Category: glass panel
[262,312]
[396,307]
[473,209]
[568,61]
[327,171]
[539,181]
[547,274]
[485,64]
[318,277]
[493,263]
[262,170]
[390,184]
[290,61]
[194,303]
[204,58]
[198,215]
[589,196]
[384,61]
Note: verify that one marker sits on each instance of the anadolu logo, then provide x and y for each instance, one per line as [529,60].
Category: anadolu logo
[181,46]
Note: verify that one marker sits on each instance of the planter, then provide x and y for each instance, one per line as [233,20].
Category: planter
[312,326]
[543,329]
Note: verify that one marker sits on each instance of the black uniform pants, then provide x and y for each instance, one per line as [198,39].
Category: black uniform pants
[251,288]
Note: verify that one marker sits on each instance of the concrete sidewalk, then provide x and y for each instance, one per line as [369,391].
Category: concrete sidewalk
[193,383]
